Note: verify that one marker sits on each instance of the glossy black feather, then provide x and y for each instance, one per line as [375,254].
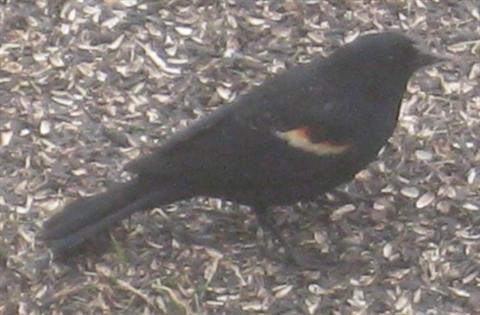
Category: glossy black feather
[255,151]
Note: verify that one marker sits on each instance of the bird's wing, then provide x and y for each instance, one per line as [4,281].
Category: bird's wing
[285,113]
[178,142]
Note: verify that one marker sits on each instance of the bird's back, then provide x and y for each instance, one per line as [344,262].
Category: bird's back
[253,150]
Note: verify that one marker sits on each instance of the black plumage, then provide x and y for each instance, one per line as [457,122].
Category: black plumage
[298,135]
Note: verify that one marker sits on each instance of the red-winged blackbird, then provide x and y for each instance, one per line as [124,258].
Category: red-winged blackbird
[296,136]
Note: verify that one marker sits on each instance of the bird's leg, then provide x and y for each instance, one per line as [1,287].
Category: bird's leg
[291,253]
[310,261]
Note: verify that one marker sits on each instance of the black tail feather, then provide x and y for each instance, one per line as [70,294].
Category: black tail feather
[77,237]
[84,218]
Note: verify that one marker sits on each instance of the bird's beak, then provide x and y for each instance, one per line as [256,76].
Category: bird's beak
[425,58]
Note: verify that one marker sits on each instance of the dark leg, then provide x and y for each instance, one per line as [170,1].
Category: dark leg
[292,254]
[311,260]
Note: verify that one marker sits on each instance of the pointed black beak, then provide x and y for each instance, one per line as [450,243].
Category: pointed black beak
[425,58]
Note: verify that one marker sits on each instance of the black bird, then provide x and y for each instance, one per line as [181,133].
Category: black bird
[296,136]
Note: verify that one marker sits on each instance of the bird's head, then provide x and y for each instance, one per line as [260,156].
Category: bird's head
[386,53]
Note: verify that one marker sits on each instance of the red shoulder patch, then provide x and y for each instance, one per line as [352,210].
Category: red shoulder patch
[308,139]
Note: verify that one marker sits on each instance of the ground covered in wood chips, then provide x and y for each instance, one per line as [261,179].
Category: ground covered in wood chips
[87,85]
